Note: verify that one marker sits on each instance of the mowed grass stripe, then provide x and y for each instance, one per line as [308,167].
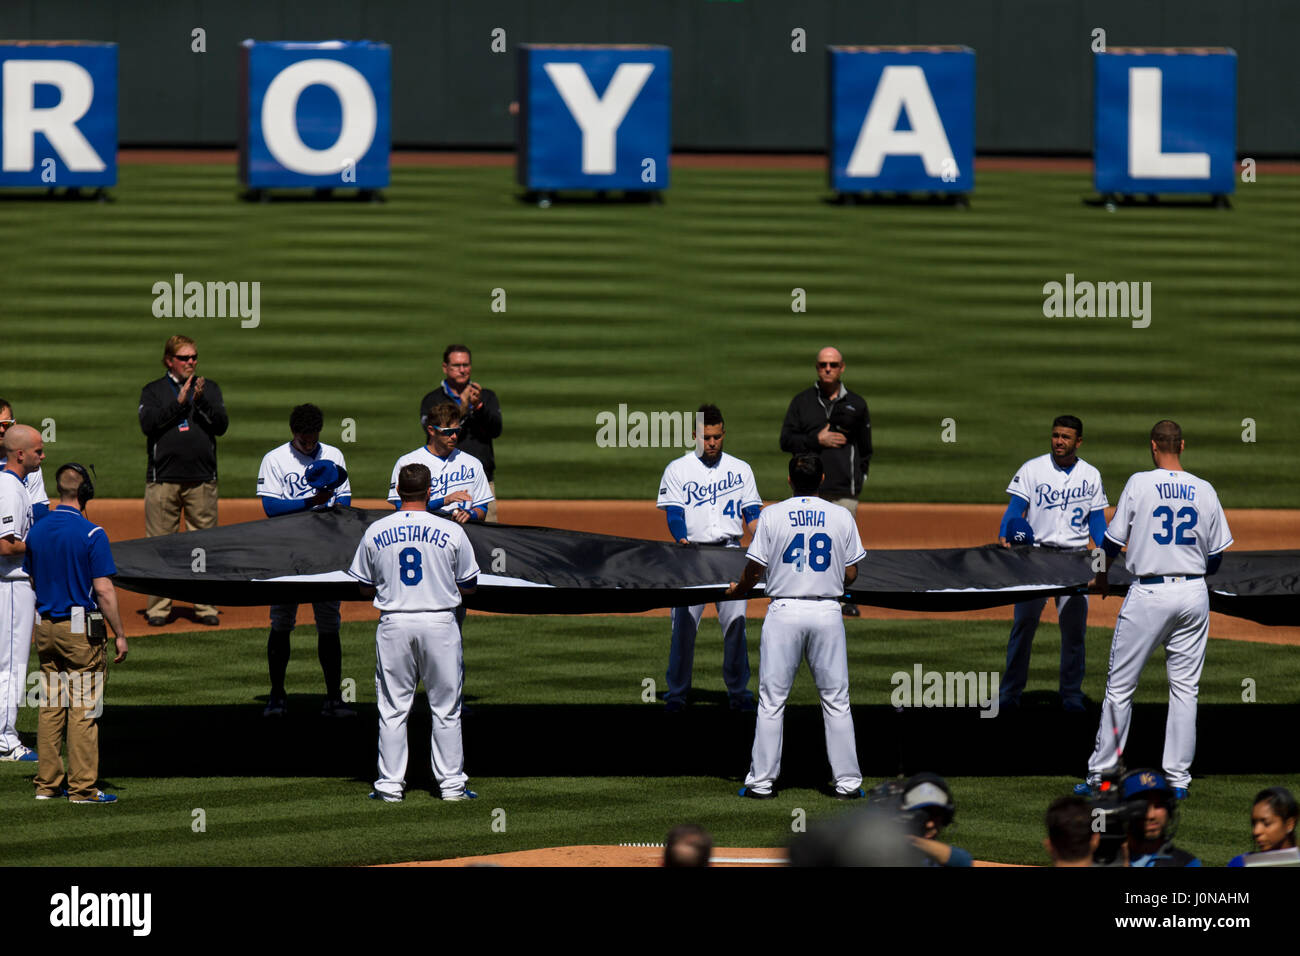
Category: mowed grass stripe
[939,310]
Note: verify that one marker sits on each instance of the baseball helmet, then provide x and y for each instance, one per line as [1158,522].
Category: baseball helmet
[929,790]
[1019,531]
[325,475]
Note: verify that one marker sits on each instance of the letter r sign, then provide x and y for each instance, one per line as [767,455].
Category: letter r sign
[58,112]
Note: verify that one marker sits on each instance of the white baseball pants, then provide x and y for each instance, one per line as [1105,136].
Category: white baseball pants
[410,647]
[1177,615]
[17,619]
[795,629]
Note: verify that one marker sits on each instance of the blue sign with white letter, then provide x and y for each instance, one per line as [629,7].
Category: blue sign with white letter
[902,119]
[58,114]
[594,117]
[1165,121]
[316,114]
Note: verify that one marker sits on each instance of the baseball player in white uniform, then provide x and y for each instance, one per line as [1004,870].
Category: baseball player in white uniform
[459,481]
[710,497]
[417,565]
[300,475]
[35,481]
[1062,498]
[24,450]
[810,548]
[1175,533]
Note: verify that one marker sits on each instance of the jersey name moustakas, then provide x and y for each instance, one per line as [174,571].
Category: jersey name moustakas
[805,543]
[415,560]
[1059,500]
[1169,522]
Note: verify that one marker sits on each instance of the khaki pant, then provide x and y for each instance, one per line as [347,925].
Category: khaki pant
[71,715]
[163,503]
[850,503]
[492,505]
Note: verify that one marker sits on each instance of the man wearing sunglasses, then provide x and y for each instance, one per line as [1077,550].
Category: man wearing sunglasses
[35,482]
[833,423]
[459,481]
[182,415]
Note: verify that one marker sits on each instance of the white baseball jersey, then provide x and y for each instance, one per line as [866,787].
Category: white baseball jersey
[1059,501]
[35,485]
[805,543]
[714,499]
[15,519]
[282,472]
[459,471]
[1169,522]
[414,559]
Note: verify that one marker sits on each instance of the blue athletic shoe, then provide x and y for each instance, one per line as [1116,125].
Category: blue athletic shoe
[99,796]
[19,754]
[753,794]
[1085,790]
[857,794]
[1180,793]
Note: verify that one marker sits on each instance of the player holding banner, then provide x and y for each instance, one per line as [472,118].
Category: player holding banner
[1175,532]
[709,497]
[810,548]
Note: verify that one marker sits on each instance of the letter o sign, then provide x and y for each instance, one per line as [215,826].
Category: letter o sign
[279,110]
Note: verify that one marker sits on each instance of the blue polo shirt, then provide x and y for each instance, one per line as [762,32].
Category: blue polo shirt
[65,553]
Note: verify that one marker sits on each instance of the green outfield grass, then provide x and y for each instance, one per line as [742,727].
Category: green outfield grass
[938,310]
[562,748]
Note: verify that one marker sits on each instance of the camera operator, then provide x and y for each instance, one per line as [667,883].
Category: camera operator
[1070,840]
[1150,836]
[928,801]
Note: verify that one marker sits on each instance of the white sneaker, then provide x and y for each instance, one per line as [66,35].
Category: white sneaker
[19,753]
[461,795]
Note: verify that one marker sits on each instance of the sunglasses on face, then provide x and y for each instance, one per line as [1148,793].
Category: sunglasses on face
[186,358]
[828,364]
[6,422]
[445,431]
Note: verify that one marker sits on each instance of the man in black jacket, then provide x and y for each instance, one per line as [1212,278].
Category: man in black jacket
[830,421]
[480,413]
[181,415]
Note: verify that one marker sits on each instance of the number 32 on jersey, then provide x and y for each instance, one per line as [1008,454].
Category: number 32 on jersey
[1169,533]
[816,555]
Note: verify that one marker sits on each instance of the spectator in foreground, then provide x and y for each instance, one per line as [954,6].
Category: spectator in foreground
[688,844]
[1272,822]
[1070,839]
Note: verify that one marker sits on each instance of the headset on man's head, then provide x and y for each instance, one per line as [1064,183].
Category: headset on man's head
[87,489]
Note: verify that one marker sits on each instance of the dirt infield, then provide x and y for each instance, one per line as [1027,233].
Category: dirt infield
[505,158]
[618,856]
[883,526]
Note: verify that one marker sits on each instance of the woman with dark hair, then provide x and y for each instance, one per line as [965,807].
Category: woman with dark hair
[1272,820]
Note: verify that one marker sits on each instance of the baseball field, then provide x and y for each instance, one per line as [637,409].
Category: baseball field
[573,311]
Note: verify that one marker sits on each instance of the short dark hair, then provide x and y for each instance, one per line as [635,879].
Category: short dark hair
[712,414]
[805,474]
[413,482]
[1168,435]
[688,844]
[1069,421]
[446,353]
[1069,828]
[306,420]
[5,403]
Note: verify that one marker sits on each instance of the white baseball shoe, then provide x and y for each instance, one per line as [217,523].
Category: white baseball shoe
[19,754]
